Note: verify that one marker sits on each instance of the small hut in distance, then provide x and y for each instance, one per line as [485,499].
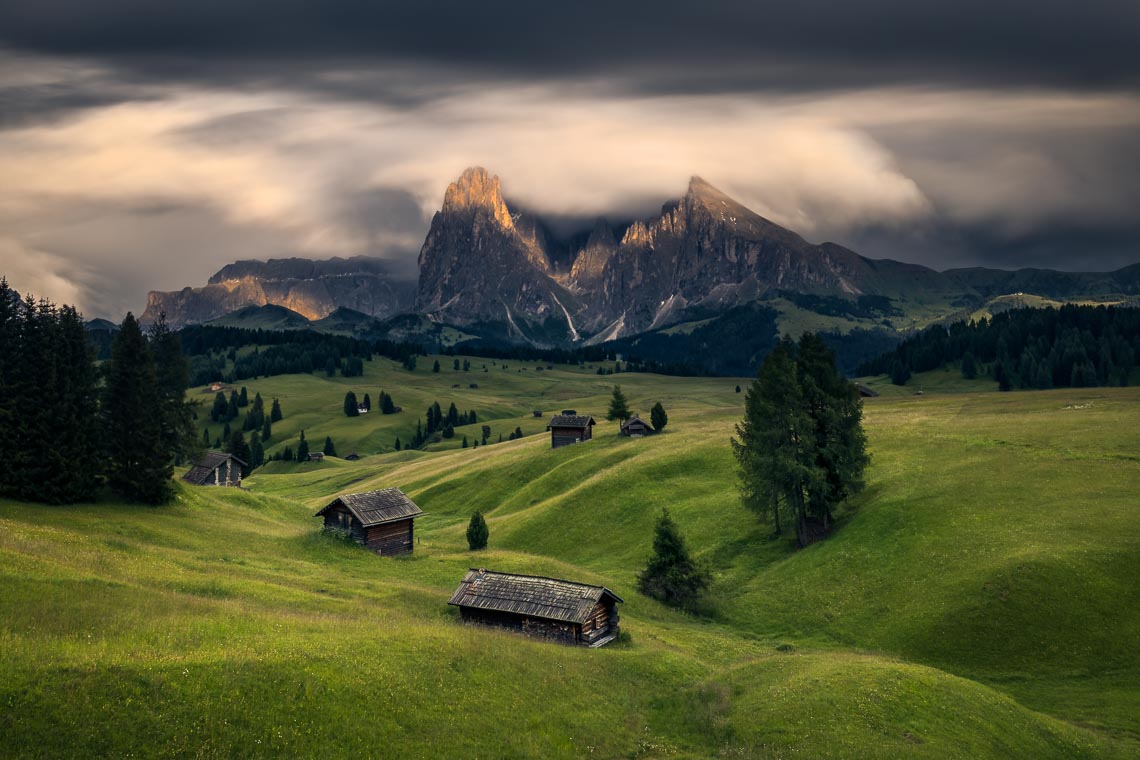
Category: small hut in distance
[382,521]
[635,427]
[570,427]
[564,611]
[216,468]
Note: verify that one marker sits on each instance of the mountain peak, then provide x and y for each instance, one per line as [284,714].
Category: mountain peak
[700,189]
[477,188]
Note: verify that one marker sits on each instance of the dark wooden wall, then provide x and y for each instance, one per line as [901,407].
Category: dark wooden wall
[566,633]
[387,539]
[565,436]
[391,538]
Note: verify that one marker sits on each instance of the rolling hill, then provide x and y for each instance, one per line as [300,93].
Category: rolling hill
[977,601]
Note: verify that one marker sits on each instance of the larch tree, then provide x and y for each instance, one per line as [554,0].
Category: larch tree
[619,407]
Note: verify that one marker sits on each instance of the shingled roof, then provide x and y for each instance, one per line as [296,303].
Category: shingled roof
[548,598]
[376,507]
[571,421]
[204,468]
[634,421]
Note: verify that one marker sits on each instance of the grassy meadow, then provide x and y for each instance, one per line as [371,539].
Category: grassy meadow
[979,599]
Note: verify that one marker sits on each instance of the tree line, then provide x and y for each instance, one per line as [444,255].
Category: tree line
[67,427]
[1070,346]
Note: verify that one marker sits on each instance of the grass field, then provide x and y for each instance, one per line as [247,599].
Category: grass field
[978,600]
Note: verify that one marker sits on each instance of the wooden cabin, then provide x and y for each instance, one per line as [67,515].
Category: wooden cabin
[379,520]
[564,611]
[569,427]
[635,427]
[352,457]
[317,456]
[866,391]
[216,468]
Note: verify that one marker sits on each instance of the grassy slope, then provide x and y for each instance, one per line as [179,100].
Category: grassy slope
[979,599]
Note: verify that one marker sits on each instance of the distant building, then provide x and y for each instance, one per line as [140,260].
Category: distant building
[379,520]
[570,427]
[216,468]
[564,611]
[352,457]
[317,456]
[866,391]
[362,409]
[635,427]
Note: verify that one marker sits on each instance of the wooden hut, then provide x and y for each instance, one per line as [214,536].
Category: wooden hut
[379,520]
[866,391]
[569,427]
[567,612]
[635,427]
[216,468]
[317,456]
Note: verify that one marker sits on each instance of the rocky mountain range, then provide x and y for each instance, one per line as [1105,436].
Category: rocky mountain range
[313,289]
[496,270]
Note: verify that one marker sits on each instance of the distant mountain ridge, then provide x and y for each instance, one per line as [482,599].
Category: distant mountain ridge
[312,288]
[499,272]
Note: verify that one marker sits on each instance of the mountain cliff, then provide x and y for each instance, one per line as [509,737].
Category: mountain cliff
[704,253]
[481,263]
[313,289]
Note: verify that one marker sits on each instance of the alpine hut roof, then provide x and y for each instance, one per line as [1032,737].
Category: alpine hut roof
[376,507]
[204,467]
[531,595]
[571,421]
[633,421]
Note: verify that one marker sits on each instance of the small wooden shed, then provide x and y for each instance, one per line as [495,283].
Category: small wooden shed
[866,391]
[216,468]
[635,427]
[564,611]
[382,521]
[569,427]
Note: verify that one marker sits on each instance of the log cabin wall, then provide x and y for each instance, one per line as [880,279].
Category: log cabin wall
[390,538]
[565,633]
[565,436]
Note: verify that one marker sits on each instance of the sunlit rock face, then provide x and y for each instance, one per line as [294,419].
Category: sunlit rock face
[311,288]
[477,265]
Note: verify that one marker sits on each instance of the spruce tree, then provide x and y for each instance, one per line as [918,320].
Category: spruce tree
[969,366]
[172,369]
[76,446]
[671,575]
[464,443]
[351,408]
[477,532]
[221,408]
[138,464]
[275,414]
[243,397]
[303,449]
[329,449]
[266,431]
[452,415]
[239,448]
[367,402]
[256,451]
[435,367]
[9,358]
[619,407]
[232,412]
[658,417]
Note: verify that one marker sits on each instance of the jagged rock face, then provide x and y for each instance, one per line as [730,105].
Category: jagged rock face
[708,250]
[313,289]
[480,263]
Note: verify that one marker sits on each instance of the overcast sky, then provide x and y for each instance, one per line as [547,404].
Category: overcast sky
[143,146]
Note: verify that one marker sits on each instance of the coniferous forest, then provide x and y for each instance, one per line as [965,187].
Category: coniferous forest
[1073,346]
[67,427]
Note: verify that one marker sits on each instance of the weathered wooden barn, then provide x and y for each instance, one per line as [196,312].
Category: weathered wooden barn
[382,521]
[635,427]
[567,612]
[570,427]
[866,391]
[216,468]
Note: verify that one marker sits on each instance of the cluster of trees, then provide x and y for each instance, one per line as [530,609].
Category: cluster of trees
[800,448]
[66,428]
[212,349]
[1073,346]
[438,421]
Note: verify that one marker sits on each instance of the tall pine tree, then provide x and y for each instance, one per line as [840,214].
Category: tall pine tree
[138,465]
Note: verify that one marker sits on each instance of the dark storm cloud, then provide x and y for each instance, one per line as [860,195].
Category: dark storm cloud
[656,46]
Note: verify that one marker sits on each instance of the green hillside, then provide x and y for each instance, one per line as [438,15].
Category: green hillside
[978,600]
